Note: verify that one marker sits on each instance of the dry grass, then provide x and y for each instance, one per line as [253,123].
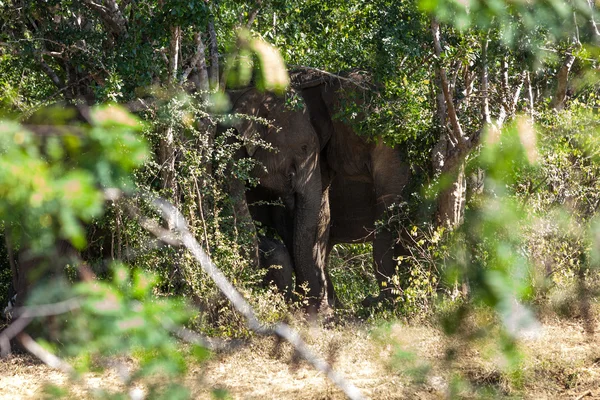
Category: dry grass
[563,361]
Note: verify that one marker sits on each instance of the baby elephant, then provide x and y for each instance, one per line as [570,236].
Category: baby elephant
[275,257]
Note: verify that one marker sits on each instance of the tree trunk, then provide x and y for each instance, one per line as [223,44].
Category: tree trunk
[452,146]
[213,72]
[167,149]
[452,200]
[558,102]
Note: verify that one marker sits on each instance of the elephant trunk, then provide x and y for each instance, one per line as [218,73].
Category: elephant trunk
[306,260]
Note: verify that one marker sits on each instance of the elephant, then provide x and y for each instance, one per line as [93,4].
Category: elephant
[324,184]
[361,179]
[276,259]
[288,198]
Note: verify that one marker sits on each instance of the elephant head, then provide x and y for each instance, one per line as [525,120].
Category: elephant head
[290,171]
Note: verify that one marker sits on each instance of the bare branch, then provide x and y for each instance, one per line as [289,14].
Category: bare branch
[530,94]
[192,337]
[46,310]
[47,358]
[153,227]
[57,54]
[592,6]
[241,305]
[517,94]
[27,314]
[10,332]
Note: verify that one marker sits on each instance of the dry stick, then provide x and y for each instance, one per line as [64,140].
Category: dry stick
[584,394]
[242,306]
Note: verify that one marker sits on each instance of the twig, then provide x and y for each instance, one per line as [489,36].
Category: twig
[584,394]
[241,305]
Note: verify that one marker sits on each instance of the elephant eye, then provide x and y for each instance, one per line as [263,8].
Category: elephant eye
[305,148]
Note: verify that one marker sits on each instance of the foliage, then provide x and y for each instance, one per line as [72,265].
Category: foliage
[49,181]
[533,231]
[124,317]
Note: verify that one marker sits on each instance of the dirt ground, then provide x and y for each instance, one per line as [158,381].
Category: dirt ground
[399,361]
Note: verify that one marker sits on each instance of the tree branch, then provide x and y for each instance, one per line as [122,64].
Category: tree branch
[558,102]
[174,47]
[282,330]
[485,103]
[51,74]
[457,131]
[253,14]
[298,70]
[198,61]
[110,14]
[47,358]
[26,314]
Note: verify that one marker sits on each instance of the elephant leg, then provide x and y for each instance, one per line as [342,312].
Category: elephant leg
[323,249]
[332,298]
[390,176]
[383,254]
[383,248]
[275,257]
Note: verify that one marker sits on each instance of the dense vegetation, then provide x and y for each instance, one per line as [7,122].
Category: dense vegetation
[493,102]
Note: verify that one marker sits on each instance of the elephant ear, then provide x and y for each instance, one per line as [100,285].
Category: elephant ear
[320,116]
[251,105]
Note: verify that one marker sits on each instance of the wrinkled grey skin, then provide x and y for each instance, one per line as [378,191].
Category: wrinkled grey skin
[290,175]
[275,258]
[362,179]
